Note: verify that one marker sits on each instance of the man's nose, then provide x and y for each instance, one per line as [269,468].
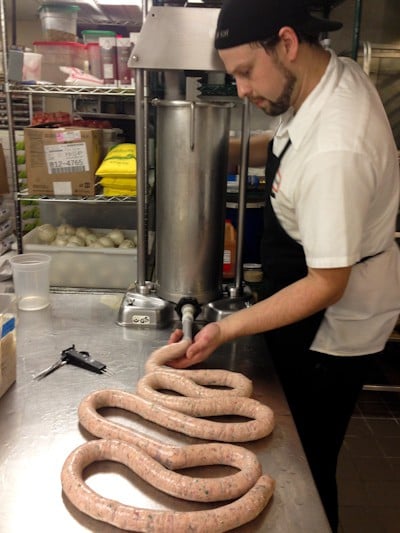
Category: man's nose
[243,88]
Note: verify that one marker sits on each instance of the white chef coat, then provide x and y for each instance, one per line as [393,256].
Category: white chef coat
[337,194]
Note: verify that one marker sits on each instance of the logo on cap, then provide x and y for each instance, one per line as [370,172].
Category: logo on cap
[222,34]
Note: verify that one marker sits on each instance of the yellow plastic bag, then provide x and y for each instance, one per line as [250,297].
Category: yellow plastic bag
[119,183]
[118,186]
[108,191]
[120,162]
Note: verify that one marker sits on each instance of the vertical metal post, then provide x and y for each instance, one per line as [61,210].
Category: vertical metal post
[146,222]
[140,182]
[244,159]
[14,22]
[10,119]
[356,29]
[146,96]
[141,134]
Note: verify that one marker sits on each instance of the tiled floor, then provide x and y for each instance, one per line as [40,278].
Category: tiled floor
[369,462]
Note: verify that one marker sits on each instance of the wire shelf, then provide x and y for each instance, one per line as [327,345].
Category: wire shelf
[98,198]
[54,90]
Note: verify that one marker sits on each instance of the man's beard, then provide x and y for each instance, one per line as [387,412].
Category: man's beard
[283,103]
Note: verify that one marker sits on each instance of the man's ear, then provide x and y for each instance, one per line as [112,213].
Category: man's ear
[290,42]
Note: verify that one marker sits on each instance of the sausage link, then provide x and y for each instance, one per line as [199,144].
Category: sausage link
[188,380]
[166,353]
[130,518]
[158,469]
[200,401]
[190,383]
[260,425]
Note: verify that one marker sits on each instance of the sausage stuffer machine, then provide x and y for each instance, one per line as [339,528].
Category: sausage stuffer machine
[191,161]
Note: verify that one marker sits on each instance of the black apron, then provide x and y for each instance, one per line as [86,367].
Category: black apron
[283,263]
[321,389]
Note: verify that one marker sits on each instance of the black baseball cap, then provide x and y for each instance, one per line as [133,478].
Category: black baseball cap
[246,21]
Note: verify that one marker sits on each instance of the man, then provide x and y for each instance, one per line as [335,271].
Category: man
[330,260]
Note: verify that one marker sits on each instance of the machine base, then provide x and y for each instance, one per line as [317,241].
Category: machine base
[139,310]
[144,311]
[219,309]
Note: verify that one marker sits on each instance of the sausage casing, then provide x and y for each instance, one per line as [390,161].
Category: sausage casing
[220,519]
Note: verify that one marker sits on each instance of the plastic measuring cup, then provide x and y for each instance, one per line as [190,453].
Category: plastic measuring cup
[31,280]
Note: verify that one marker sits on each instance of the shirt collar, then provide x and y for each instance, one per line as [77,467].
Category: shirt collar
[296,126]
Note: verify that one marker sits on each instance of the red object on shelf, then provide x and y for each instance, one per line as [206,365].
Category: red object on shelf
[229,266]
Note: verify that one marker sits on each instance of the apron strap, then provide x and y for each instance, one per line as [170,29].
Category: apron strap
[369,257]
[289,142]
[272,166]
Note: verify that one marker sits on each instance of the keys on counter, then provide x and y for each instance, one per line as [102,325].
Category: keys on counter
[74,357]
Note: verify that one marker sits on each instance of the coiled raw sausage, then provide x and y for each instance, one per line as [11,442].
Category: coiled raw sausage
[130,518]
[155,462]
[260,425]
[201,401]
[239,385]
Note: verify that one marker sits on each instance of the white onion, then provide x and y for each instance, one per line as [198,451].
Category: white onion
[106,242]
[82,232]
[74,240]
[46,233]
[127,243]
[90,239]
[60,240]
[95,244]
[116,236]
[66,229]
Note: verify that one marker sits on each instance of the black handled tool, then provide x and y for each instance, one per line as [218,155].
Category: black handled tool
[74,357]
[82,359]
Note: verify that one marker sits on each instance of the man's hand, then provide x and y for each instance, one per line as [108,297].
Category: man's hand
[204,344]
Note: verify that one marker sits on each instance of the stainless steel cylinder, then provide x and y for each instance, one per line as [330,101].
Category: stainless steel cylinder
[191,163]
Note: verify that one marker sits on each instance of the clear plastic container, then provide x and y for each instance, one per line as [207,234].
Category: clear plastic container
[252,272]
[123,52]
[59,53]
[92,36]
[95,264]
[31,280]
[108,57]
[93,53]
[32,67]
[59,22]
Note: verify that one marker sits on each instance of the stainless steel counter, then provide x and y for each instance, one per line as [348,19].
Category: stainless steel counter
[39,424]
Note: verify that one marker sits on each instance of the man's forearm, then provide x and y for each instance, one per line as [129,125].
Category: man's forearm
[257,152]
[291,304]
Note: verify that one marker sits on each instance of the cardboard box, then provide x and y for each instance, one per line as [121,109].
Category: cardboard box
[8,350]
[62,161]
